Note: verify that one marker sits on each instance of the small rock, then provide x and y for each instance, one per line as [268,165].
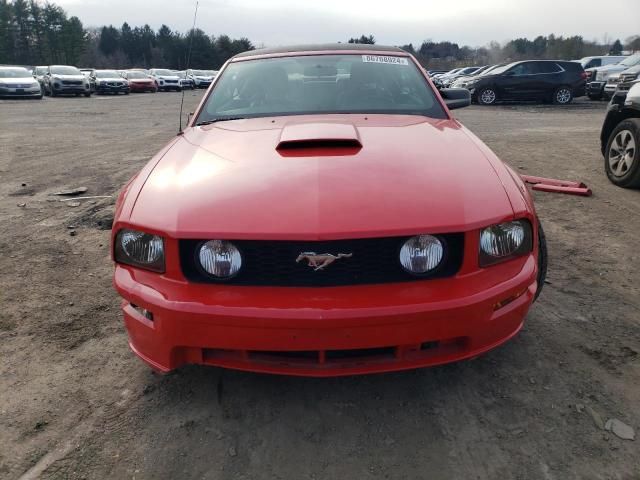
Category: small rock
[73,191]
[232,451]
[579,407]
[72,233]
[620,429]
[24,184]
[71,227]
[597,419]
[148,389]
[532,381]
[548,282]
[73,204]
[40,425]
[22,205]
[71,304]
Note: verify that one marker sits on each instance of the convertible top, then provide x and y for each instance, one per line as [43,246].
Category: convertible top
[320,48]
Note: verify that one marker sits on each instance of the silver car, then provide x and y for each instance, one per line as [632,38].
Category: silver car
[18,82]
[65,80]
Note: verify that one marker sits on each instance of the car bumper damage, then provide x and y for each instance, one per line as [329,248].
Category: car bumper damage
[328,331]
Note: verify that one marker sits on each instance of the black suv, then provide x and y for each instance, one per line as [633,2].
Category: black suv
[620,138]
[547,80]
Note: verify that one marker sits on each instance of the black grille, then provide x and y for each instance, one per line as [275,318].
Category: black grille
[273,263]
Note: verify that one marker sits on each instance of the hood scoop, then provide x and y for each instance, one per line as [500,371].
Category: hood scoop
[317,139]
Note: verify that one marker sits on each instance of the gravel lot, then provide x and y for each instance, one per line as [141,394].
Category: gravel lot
[75,403]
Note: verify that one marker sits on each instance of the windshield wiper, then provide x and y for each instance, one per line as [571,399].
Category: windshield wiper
[215,120]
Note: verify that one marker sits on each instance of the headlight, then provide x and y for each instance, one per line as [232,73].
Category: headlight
[220,258]
[504,241]
[140,249]
[421,254]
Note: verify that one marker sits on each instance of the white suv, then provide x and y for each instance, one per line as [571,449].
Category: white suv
[166,79]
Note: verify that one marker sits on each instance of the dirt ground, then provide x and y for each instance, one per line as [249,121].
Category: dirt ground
[75,403]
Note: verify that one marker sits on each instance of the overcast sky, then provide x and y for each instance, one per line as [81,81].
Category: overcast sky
[285,22]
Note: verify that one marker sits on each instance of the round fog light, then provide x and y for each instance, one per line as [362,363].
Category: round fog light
[421,254]
[220,258]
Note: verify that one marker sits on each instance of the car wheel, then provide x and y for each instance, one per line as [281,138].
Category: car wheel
[562,95]
[542,260]
[622,160]
[487,96]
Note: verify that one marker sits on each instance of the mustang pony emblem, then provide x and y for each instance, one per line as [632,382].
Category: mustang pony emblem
[319,261]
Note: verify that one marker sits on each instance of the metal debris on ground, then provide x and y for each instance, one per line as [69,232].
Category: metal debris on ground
[73,204]
[557,186]
[73,191]
[85,198]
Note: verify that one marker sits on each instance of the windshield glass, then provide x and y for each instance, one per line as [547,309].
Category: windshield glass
[17,72]
[631,61]
[107,74]
[321,84]
[502,69]
[168,73]
[136,75]
[62,70]
[40,70]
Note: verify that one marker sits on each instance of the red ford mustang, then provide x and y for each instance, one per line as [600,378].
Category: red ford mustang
[324,214]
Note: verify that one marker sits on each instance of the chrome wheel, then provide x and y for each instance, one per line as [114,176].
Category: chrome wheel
[488,96]
[563,95]
[621,153]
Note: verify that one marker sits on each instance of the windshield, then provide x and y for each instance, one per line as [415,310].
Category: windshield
[40,70]
[136,75]
[502,69]
[168,73]
[61,70]
[107,74]
[321,84]
[631,61]
[17,72]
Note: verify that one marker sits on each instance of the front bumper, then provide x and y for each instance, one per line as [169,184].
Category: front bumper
[20,92]
[326,331]
[595,88]
[142,87]
[106,88]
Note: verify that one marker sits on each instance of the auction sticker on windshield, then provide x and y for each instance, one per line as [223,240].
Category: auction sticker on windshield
[384,59]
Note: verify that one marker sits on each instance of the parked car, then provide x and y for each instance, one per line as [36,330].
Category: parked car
[65,80]
[39,73]
[166,79]
[547,80]
[185,81]
[140,82]
[109,81]
[627,78]
[620,137]
[201,78]
[433,73]
[600,61]
[18,82]
[246,242]
[599,76]
[450,72]
[448,80]
[87,72]
[462,82]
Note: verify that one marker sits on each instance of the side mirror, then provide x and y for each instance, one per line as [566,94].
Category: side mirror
[456,97]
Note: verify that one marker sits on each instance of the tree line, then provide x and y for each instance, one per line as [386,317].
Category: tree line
[37,33]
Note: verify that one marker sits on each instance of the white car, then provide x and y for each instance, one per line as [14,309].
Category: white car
[600,76]
[18,82]
[65,79]
[201,78]
[600,61]
[166,79]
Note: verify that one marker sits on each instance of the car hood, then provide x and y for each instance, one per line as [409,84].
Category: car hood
[68,77]
[21,80]
[167,77]
[411,175]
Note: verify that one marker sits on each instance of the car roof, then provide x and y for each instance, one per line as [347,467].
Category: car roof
[338,47]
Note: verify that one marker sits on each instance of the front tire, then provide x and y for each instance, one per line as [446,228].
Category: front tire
[542,260]
[562,95]
[622,158]
[487,96]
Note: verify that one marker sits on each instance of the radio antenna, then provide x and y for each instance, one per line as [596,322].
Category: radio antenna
[193,31]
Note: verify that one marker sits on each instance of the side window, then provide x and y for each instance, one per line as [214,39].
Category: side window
[548,67]
[523,69]
[596,62]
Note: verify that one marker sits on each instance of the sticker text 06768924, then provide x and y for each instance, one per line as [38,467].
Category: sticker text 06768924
[384,59]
